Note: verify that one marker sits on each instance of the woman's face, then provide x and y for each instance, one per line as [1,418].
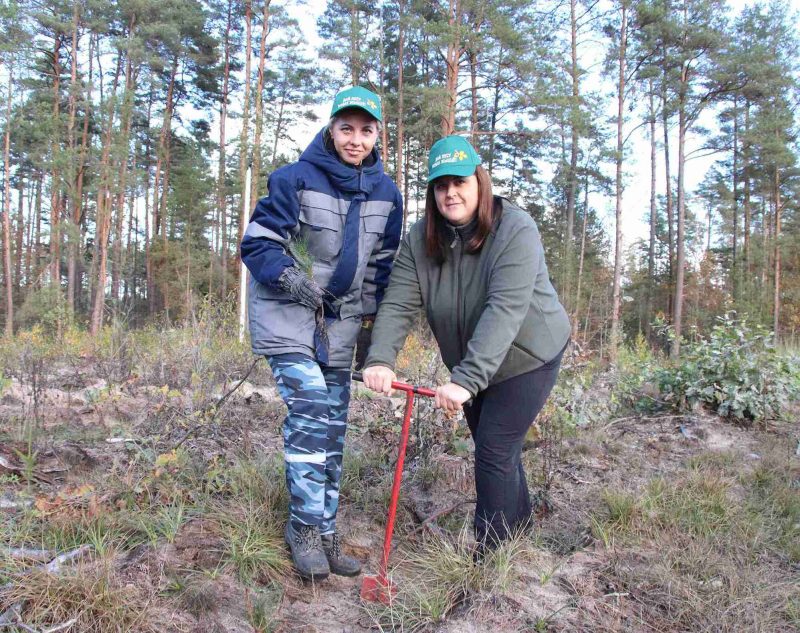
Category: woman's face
[457,198]
[354,135]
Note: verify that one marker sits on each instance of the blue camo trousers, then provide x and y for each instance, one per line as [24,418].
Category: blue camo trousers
[313,436]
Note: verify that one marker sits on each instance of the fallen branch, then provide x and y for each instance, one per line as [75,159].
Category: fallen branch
[428,521]
[215,407]
[652,418]
[61,627]
[24,553]
[54,566]
[10,504]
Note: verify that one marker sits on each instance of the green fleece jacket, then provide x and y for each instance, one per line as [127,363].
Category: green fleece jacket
[494,313]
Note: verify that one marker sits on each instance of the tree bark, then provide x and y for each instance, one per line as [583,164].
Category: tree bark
[572,184]
[746,176]
[677,302]
[651,247]
[473,76]
[103,219]
[117,262]
[19,244]
[55,192]
[735,257]
[159,223]
[668,178]
[75,166]
[452,60]
[776,314]
[259,108]
[9,328]
[223,116]
[400,101]
[615,305]
[76,213]
[576,313]
[244,137]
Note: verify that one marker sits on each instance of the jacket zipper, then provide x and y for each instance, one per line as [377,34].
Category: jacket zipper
[459,311]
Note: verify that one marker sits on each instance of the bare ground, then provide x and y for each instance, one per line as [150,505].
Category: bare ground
[103,451]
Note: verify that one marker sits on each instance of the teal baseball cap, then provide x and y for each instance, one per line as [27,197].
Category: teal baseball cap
[357,97]
[452,156]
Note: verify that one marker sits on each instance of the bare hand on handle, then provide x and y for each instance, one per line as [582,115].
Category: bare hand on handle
[379,378]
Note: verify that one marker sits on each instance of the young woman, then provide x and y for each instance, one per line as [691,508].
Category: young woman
[320,248]
[475,264]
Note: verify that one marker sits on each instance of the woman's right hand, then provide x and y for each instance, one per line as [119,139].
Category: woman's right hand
[379,378]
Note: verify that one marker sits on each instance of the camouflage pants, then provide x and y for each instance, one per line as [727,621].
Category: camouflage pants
[313,436]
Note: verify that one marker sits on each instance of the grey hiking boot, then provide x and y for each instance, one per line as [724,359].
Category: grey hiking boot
[307,555]
[340,563]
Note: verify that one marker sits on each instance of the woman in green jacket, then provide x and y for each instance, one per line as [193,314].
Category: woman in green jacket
[475,265]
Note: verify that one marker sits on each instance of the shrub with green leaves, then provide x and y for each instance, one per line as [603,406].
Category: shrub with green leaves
[737,372]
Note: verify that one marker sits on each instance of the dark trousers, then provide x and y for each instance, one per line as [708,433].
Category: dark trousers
[498,418]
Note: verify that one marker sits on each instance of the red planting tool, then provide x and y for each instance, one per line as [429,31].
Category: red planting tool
[379,588]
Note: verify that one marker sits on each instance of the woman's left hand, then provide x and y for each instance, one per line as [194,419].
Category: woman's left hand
[451,397]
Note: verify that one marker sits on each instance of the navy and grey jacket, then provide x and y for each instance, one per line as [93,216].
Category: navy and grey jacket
[350,221]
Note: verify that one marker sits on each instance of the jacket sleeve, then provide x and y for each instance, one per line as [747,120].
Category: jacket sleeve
[397,311]
[508,300]
[274,222]
[381,259]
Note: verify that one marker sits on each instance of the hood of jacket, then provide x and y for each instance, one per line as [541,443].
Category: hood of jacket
[344,177]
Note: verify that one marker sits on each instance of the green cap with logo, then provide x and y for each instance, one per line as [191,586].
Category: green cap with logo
[357,97]
[452,156]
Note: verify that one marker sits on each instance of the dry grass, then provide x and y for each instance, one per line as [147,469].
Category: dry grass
[92,595]
[710,551]
[436,575]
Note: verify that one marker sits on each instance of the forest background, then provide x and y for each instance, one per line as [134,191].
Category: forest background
[655,144]
[129,127]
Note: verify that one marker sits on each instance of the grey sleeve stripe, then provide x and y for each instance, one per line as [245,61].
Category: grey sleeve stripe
[254,229]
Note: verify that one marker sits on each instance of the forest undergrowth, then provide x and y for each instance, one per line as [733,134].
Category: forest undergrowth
[142,490]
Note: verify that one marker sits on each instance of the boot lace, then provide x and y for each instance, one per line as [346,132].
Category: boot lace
[336,546]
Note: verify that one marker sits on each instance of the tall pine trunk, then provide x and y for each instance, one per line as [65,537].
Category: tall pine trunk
[221,189]
[677,303]
[776,310]
[746,176]
[651,246]
[244,138]
[117,263]
[9,284]
[735,254]
[452,61]
[55,191]
[103,212]
[615,305]
[668,180]
[572,176]
[76,211]
[400,104]
[259,107]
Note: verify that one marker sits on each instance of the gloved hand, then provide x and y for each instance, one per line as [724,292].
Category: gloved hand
[363,341]
[301,288]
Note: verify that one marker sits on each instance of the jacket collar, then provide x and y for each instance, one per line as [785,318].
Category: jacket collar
[344,177]
[463,232]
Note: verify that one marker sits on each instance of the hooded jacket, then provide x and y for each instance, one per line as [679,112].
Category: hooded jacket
[307,209]
[494,313]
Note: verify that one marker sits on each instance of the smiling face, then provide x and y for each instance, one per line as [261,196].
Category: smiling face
[456,198]
[354,133]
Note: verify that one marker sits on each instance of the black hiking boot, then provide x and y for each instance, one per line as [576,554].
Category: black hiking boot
[309,560]
[340,563]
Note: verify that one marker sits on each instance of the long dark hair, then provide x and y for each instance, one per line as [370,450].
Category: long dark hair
[435,245]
